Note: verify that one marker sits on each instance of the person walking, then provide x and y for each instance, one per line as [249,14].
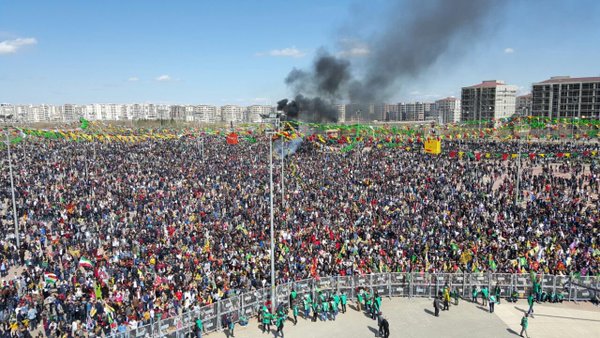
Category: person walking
[436,306]
[295,312]
[293,296]
[524,325]
[280,320]
[530,301]
[385,327]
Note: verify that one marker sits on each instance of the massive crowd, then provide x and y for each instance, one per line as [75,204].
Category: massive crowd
[115,235]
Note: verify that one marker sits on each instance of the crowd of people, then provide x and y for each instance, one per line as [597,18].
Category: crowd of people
[116,235]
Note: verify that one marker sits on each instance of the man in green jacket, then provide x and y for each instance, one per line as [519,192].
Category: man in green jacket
[485,295]
[306,306]
[199,327]
[293,296]
[344,300]
[474,294]
[280,320]
[530,301]
[360,296]
[524,325]
[295,311]
[266,319]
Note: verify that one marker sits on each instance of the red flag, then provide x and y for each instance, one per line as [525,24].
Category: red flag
[504,157]
[478,156]
[453,154]
[531,156]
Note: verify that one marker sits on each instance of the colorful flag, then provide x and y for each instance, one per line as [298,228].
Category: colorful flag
[50,278]
[86,263]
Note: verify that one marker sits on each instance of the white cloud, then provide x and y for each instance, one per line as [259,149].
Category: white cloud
[351,47]
[163,78]
[508,50]
[286,52]
[356,51]
[133,79]
[11,46]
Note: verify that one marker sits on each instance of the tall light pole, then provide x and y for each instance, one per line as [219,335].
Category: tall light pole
[12,186]
[273,119]
[282,168]
[517,194]
[273,295]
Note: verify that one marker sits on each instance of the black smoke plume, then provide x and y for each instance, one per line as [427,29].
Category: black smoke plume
[415,35]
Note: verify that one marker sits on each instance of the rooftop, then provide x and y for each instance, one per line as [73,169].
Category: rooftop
[568,79]
[488,84]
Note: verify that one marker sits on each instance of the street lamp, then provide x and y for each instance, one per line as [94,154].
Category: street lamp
[12,184]
[273,120]
[517,194]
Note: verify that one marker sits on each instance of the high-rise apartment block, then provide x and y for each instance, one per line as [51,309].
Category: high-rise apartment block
[448,110]
[488,100]
[567,97]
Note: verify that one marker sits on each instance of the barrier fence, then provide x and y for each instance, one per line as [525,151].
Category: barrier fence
[417,284]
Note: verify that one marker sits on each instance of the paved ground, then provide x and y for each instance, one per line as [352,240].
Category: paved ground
[414,318]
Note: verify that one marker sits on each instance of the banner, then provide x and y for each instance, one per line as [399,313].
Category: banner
[433,147]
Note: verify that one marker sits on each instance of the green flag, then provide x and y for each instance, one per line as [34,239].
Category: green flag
[84,123]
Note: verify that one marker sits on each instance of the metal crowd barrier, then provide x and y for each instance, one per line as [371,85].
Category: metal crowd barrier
[416,284]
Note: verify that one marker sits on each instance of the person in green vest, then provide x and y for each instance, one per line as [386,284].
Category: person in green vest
[336,302]
[492,302]
[306,306]
[455,295]
[485,295]
[375,307]
[360,297]
[315,308]
[199,327]
[537,290]
[266,319]
[497,292]
[530,301]
[280,320]
[332,309]
[293,296]
[524,325]
[344,300]
[325,312]
[368,301]
[295,311]
[474,295]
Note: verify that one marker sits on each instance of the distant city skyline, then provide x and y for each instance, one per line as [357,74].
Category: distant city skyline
[217,53]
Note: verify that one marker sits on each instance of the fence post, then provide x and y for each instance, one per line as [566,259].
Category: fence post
[554,285]
[219,314]
[464,288]
[410,289]
[389,278]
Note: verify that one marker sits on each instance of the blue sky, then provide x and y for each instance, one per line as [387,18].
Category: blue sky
[239,52]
